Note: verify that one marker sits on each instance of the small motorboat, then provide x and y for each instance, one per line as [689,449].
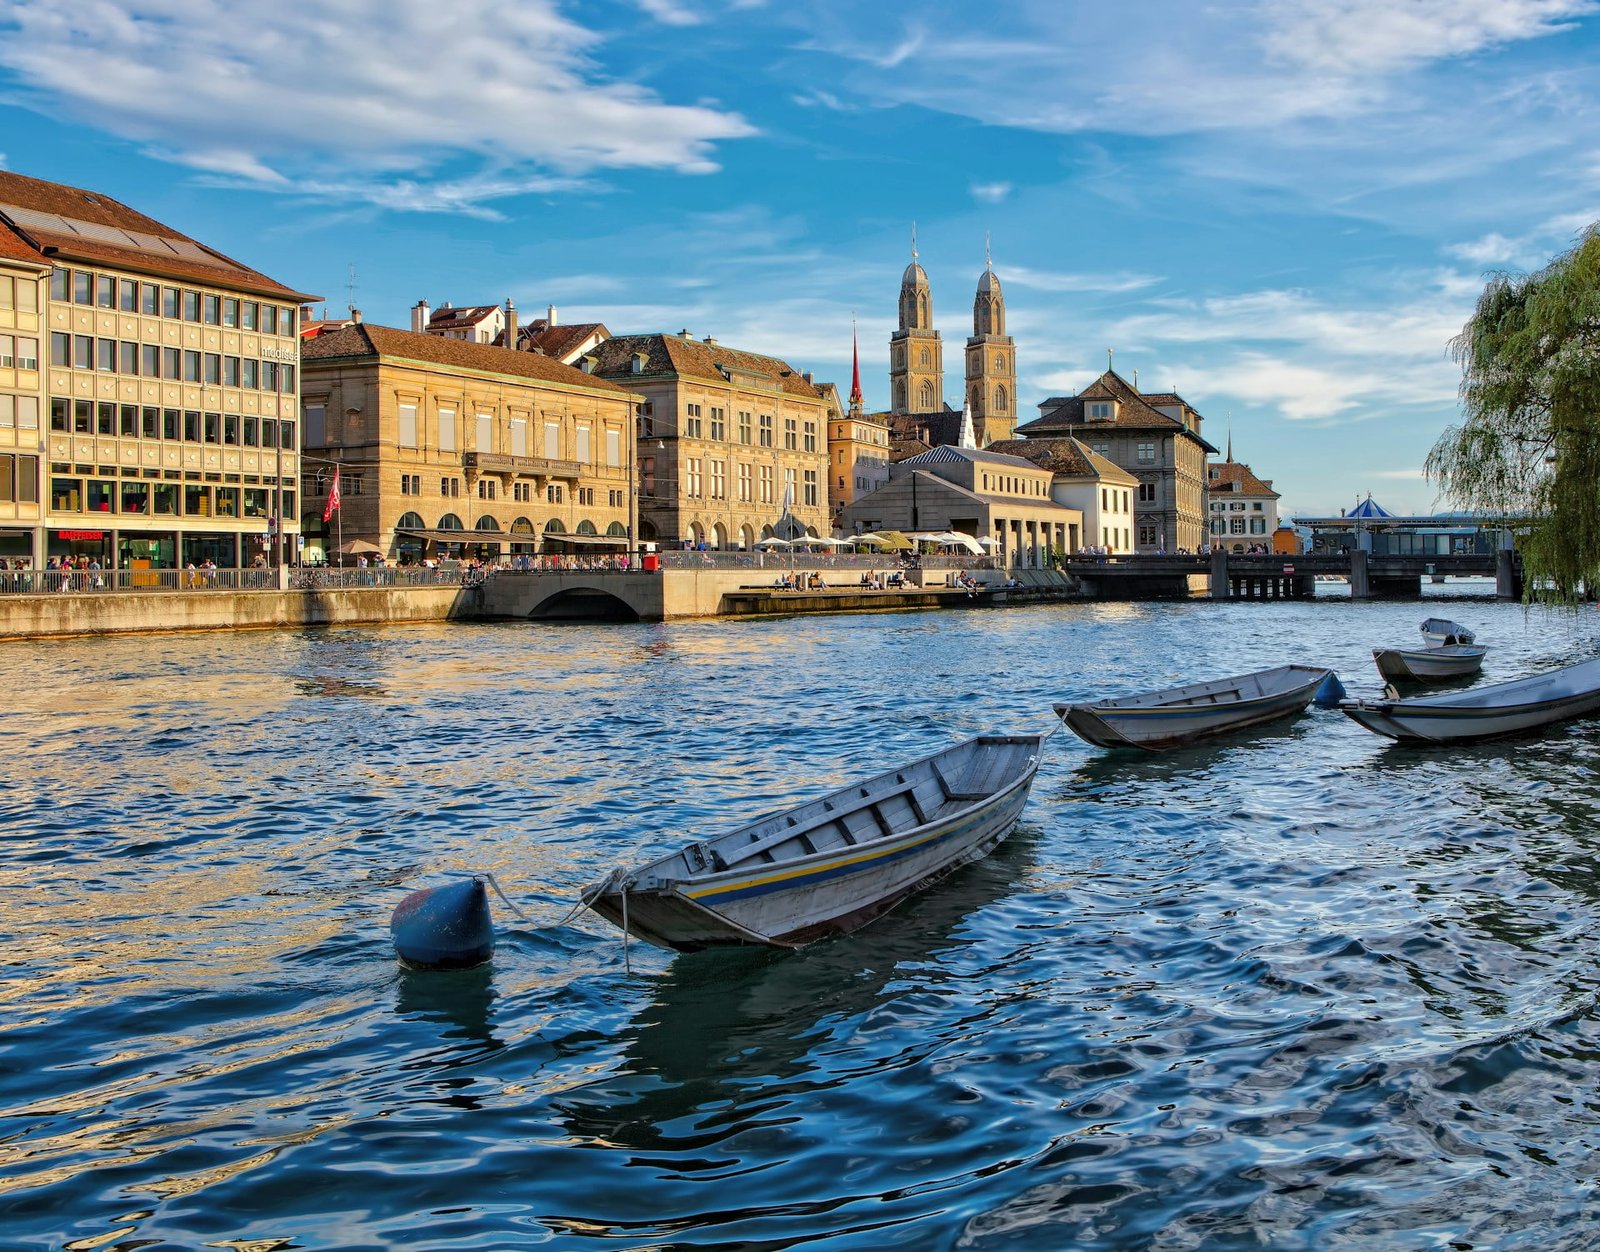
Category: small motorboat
[1181,715]
[1484,712]
[1449,652]
[832,864]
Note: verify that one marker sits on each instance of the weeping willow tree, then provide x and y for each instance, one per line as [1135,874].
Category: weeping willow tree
[1530,396]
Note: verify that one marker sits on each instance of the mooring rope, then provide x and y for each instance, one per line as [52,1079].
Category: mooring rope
[489,878]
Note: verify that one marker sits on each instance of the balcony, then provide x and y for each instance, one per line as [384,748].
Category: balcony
[498,463]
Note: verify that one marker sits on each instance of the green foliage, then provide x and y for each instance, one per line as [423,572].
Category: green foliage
[1530,394]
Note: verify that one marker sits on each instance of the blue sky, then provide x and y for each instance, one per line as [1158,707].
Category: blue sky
[1283,211]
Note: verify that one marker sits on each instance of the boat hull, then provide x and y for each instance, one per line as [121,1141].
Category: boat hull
[1429,665]
[794,902]
[1160,726]
[1486,712]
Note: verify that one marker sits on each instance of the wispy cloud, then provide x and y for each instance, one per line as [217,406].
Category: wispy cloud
[342,98]
[991,193]
[670,12]
[1044,280]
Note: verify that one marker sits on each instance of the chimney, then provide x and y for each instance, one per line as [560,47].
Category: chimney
[550,316]
[711,341]
[355,315]
[511,324]
[419,317]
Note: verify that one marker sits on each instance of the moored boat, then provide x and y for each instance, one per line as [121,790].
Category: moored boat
[832,864]
[1180,715]
[1484,712]
[1449,653]
[1429,665]
[1440,632]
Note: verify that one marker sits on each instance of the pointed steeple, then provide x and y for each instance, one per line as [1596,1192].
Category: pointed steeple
[968,438]
[855,370]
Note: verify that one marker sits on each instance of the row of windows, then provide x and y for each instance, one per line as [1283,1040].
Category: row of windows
[19,480]
[515,442]
[90,417]
[1236,526]
[19,352]
[105,291]
[1236,506]
[169,499]
[18,412]
[1112,499]
[1008,484]
[21,294]
[487,529]
[753,430]
[150,360]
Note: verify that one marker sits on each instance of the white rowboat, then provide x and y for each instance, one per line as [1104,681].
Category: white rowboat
[832,864]
[1429,665]
[1484,712]
[1181,715]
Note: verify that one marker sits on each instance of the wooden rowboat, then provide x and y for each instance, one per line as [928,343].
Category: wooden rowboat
[1181,715]
[1450,653]
[1484,712]
[1429,665]
[832,864]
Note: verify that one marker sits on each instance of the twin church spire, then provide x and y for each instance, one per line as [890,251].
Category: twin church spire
[916,354]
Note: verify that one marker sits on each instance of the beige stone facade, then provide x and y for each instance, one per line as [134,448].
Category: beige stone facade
[447,448]
[1002,501]
[916,353]
[858,455]
[726,438]
[171,378]
[22,405]
[991,365]
[1153,436]
[1243,508]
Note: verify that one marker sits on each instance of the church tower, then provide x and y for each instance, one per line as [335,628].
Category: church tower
[991,362]
[916,355]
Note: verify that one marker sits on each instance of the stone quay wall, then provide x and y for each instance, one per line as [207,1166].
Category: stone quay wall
[66,614]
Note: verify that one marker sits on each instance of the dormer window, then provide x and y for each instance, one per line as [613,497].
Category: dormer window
[639,358]
[1100,410]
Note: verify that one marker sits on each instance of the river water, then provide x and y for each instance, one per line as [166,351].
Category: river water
[1301,990]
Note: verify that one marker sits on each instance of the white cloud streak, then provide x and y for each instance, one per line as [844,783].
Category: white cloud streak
[369,99]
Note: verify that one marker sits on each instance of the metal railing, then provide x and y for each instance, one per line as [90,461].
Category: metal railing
[206,578]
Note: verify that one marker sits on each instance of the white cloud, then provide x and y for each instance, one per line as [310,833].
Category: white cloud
[1044,280]
[375,99]
[990,193]
[670,12]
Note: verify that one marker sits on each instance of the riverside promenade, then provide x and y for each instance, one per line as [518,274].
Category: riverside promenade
[696,585]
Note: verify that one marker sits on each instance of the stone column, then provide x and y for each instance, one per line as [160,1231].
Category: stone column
[1221,589]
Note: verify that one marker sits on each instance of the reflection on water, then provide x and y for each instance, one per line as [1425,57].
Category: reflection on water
[1302,988]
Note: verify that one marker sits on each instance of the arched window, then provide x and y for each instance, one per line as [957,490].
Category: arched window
[999,363]
[925,359]
[586,527]
[409,521]
[450,522]
[926,397]
[922,310]
[900,396]
[999,399]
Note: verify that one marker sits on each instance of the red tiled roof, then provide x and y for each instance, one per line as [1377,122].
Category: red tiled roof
[557,341]
[1134,411]
[1236,478]
[1067,457]
[14,248]
[693,358]
[455,319]
[367,340]
[161,251]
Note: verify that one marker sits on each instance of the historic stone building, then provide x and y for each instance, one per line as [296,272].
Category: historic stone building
[172,385]
[1082,479]
[919,418]
[729,441]
[1003,502]
[1153,436]
[1243,508]
[858,448]
[991,364]
[22,401]
[451,448]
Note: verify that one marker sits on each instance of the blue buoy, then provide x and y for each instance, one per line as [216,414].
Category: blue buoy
[1330,691]
[444,927]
